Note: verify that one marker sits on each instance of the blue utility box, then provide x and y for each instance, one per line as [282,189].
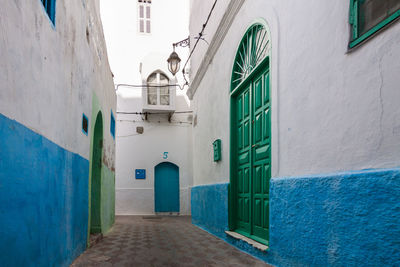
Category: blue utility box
[140,174]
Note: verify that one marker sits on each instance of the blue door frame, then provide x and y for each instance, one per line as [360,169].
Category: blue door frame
[166,187]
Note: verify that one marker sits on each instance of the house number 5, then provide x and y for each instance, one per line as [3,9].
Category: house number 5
[165,155]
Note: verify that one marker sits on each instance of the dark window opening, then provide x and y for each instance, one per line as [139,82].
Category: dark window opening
[85,124]
[112,125]
[50,7]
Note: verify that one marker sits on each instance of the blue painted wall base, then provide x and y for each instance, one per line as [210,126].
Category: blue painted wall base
[43,199]
[209,206]
[342,219]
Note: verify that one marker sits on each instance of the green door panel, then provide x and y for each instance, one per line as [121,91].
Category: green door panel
[258,90]
[251,157]
[243,159]
[261,156]
[266,88]
[261,152]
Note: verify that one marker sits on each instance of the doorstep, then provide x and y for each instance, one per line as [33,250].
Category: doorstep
[252,242]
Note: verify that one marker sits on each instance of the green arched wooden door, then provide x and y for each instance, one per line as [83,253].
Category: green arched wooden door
[250,137]
[95,206]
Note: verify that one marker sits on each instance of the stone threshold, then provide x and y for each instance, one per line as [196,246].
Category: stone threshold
[252,242]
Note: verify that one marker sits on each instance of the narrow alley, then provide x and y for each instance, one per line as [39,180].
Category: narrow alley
[162,241]
[182,133]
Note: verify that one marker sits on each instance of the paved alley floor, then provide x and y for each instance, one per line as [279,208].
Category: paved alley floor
[162,241]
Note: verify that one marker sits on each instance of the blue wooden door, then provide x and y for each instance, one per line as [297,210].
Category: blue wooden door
[166,187]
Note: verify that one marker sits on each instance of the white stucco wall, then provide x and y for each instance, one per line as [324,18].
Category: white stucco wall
[49,73]
[127,47]
[199,11]
[332,109]
[134,56]
[145,151]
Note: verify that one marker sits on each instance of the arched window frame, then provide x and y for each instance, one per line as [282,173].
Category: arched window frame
[162,93]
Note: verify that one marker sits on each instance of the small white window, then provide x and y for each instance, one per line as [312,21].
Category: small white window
[158,92]
[144,16]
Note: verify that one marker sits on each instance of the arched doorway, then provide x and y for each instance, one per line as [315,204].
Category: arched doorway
[250,164]
[97,153]
[166,187]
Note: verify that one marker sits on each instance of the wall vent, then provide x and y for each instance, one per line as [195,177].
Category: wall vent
[139,129]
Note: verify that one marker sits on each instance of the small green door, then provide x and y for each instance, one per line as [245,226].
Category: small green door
[250,138]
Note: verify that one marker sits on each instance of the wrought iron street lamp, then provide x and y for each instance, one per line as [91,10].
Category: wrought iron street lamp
[174,60]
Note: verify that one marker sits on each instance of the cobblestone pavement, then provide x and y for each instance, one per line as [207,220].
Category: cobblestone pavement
[162,241]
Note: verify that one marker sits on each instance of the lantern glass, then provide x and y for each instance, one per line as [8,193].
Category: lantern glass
[174,63]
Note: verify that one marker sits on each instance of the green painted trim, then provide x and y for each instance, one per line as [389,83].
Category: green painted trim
[354,22]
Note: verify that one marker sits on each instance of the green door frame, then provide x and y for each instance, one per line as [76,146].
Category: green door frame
[237,89]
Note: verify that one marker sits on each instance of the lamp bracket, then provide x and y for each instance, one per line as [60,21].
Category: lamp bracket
[183,43]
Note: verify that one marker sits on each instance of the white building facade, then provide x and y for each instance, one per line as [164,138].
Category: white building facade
[303,97]
[153,116]
[57,104]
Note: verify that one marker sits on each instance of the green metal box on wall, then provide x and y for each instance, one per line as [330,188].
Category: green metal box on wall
[217,150]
